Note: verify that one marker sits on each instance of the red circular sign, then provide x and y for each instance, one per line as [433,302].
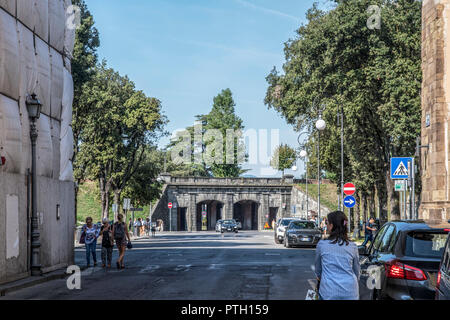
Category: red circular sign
[169,205]
[349,189]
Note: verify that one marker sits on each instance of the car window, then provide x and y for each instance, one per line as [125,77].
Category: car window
[386,240]
[377,241]
[425,244]
[446,259]
[285,222]
[302,225]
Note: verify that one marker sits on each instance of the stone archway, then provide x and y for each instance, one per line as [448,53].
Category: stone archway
[246,211]
[214,212]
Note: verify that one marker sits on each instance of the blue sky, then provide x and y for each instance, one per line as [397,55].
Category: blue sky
[184,52]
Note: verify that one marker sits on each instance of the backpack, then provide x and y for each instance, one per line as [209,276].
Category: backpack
[119,232]
[107,240]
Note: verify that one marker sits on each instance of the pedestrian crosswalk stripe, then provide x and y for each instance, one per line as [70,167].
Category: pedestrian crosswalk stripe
[401,170]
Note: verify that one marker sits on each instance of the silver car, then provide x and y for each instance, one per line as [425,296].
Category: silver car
[219,225]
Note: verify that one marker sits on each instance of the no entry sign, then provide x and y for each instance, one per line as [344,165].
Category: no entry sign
[349,189]
[170,205]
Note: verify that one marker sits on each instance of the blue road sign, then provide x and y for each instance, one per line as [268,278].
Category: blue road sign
[399,167]
[349,201]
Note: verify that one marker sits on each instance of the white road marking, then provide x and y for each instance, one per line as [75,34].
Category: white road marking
[272,254]
[215,266]
[182,267]
[149,269]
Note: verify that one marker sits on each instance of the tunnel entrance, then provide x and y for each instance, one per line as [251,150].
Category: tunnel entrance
[246,211]
[208,212]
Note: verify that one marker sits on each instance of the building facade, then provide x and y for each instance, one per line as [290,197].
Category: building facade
[435,151]
[36,45]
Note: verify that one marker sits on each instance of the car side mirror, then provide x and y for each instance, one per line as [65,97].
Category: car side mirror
[362,250]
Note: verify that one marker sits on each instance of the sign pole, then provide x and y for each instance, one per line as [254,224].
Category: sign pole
[170,219]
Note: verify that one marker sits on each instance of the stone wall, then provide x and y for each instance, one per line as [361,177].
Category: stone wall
[435,201]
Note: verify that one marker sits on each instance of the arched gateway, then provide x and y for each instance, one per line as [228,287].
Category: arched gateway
[199,202]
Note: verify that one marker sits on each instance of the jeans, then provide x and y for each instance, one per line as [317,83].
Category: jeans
[368,238]
[90,248]
[107,255]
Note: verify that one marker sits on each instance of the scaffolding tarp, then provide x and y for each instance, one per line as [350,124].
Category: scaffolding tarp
[10,6]
[66,112]
[44,81]
[28,64]
[57,83]
[57,19]
[56,131]
[69,33]
[10,134]
[44,147]
[34,14]
[9,59]
[66,154]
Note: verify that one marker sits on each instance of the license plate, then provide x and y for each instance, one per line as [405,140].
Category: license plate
[229,229]
[304,239]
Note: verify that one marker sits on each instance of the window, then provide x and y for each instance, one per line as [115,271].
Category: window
[387,237]
[302,225]
[425,244]
[377,242]
[446,259]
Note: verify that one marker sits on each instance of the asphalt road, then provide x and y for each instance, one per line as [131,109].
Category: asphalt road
[193,266]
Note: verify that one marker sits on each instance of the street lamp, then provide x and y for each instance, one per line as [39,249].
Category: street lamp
[320,126]
[304,155]
[34,111]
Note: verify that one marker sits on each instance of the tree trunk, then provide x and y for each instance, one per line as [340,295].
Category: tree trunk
[104,194]
[372,205]
[382,202]
[357,211]
[117,194]
[393,199]
[364,197]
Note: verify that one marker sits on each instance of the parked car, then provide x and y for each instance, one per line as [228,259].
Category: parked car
[301,233]
[218,225]
[443,278]
[239,224]
[229,226]
[403,261]
[280,229]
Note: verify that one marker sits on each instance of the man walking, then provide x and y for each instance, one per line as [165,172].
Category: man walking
[368,231]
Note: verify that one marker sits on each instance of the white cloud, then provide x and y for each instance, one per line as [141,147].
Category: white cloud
[267,10]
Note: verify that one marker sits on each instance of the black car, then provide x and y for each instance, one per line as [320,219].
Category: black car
[403,261]
[301,233]
[228,226]
[443,280]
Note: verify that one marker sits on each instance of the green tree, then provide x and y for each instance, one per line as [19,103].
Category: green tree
[373,76]
[283,158]
[83,68]
[114,139]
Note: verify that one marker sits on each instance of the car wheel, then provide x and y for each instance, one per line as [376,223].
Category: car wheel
[286,243]
[277,241]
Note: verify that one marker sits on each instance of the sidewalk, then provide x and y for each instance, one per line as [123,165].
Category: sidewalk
[31,281]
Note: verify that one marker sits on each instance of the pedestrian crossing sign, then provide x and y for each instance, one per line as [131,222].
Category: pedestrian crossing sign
[400,167]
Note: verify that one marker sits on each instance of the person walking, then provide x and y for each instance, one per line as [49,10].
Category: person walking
[130,225]
[107,243]
[91,233]
[120,234]
[153,224]
[323,227]
[337,262]
[368,231]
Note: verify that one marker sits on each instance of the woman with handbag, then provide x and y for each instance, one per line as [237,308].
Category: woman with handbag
[89,235]
[120,234]
[337,262]
[107,243]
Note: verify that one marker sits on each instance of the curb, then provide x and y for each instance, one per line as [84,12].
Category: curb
[31,281]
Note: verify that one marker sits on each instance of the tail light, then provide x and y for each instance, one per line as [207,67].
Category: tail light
[398,270]
[447,230]
[438,282]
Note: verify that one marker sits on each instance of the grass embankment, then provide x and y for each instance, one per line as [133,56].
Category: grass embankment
[328,194]
[89,205]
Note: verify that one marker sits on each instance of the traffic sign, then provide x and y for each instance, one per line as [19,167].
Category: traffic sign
[204,214]
[126,203]
[399,186]
[399,167]
[349,189]
[170,205]
[114,208]
[350,201]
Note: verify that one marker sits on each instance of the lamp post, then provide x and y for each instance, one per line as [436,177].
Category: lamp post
[34,111]
[304,155]
[320,126]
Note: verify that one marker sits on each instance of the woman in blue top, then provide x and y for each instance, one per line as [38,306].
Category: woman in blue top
[337,262]
[91,233]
